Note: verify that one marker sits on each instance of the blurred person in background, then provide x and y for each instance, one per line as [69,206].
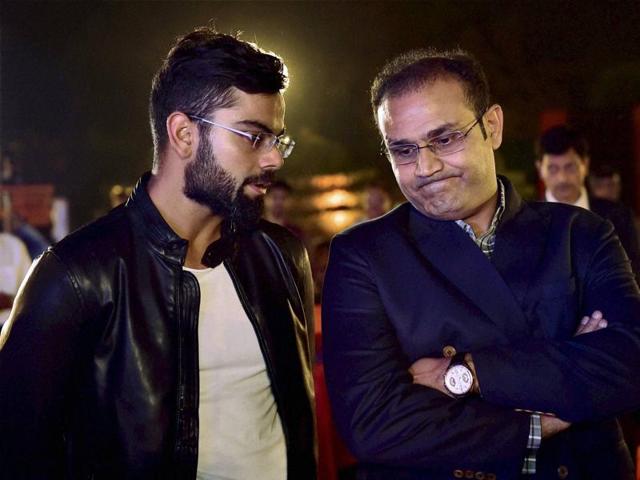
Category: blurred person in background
[605,182]
[14,262]
[14,265]
[377,200]
[59,218]
[32,238]
[563,166]
[277,206]
[172,338]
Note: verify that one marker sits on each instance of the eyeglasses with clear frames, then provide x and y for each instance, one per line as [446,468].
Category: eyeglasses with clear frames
[445,144]
[261,141]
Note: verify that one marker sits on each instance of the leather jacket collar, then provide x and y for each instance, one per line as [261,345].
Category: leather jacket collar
[163,239]
[149,221]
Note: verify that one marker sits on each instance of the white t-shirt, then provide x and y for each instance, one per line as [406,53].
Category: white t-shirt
[240,433]
[14,265]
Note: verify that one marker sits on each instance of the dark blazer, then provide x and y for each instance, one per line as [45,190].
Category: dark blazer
[622,219]
[404,286]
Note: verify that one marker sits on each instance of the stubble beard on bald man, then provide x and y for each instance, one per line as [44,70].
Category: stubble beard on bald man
[208,184]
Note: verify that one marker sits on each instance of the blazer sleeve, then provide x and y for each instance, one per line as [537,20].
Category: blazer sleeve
[381,414]
[626,229]
[588,377]
[36,364]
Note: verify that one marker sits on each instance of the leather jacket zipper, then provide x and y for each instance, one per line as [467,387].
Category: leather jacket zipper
[185,453]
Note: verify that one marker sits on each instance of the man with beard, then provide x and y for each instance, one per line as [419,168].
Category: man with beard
[171,338]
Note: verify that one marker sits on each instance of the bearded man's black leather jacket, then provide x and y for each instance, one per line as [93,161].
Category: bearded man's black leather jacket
[99,360]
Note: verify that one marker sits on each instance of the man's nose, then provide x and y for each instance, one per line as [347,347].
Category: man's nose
[271,160]
[428,163]
[562,175]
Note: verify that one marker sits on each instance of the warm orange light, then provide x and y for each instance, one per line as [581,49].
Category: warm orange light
[333,222]
[325,182]
[335,199]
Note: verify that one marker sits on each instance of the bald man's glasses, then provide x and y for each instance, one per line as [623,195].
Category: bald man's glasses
[444,144]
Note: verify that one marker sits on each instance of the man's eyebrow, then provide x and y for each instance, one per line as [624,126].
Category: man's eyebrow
[259,125]
[433,133]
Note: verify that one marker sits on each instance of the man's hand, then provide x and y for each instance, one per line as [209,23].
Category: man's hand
[591,324]
[430,372]
[551,425]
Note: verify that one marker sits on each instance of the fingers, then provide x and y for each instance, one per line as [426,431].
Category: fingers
[591,324]
[552,425]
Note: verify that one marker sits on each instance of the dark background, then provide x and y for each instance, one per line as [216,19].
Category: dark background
[75,78]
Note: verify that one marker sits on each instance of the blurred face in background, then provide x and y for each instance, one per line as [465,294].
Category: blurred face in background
[276,203]
[608,187]
[377,202]
[563,174]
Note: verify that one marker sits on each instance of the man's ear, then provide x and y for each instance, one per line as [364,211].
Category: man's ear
[539,167]
[182,133]
[494,121]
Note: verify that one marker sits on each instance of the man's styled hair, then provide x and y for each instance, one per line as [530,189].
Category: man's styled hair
[199,73]
[417,68]
[560,139]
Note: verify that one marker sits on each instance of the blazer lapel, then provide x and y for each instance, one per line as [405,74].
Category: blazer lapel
[450,250]
[520,244]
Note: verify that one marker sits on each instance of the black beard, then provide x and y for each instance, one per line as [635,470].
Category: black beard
[207,183]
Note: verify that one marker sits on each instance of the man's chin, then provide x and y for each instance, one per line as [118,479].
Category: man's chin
[569,196]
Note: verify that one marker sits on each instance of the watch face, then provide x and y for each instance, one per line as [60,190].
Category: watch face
[458,380]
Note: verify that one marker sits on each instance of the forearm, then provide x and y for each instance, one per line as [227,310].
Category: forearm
[590,377]
[386,419]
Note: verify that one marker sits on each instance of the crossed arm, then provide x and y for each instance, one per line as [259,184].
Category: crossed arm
[430,372]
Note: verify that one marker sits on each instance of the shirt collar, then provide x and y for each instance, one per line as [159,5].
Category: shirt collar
[582,201]
[496,216]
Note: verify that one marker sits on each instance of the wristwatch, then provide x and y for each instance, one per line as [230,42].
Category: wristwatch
[458,379]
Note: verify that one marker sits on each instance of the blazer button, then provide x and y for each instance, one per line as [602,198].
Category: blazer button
[448,351]
[480,476]
[469,473]
[491,476]
[458,473]
[563,472]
